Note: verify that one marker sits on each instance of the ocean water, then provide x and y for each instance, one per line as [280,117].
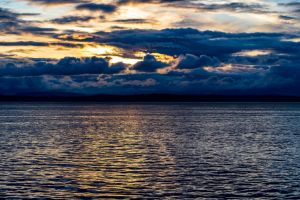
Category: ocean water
[150,150]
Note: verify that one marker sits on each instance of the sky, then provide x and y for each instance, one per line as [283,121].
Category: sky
[202,47]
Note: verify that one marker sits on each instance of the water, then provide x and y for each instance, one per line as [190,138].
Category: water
[160,151]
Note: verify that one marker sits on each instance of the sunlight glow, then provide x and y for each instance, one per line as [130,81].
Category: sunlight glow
[224,68]
[100,50]
[253,53]
[292,40]
[131,61]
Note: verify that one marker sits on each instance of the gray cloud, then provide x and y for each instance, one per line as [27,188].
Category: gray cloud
[191,61]
[121,2]
[133,21]
[106,8]
[175,42]
[65,66]
[72,19]
[149,64]
[56,2]
[266,75]
[196,5]
[284,17]
[39,44]
[294,6]
[283,80]
[11,23]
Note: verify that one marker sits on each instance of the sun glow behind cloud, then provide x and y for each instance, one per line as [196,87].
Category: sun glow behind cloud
[100,50]
[220,15]
[253,53]
[149,46]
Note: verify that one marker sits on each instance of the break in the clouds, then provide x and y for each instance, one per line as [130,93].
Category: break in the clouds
[153,46]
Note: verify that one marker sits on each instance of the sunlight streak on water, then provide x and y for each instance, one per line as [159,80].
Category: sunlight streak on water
[65,150]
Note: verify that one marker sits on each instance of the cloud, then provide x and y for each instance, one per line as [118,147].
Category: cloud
[175,42]
[6,14]
[65,66]
[36,30]
[284,17]
[106,8]
[133,21]
[237,7]
[265,75]
[191,61]
[295,6]
[292,4]
[207,6]
[72,19]
[41,44]
[11,23]
[149,64]
[283,80]
[209,61]
[121,2]
[56,2]
[205,62]
[8,20]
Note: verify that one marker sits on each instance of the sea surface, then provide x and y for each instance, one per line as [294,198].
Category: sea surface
[150,150]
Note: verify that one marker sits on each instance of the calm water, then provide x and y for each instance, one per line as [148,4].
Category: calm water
[161,151]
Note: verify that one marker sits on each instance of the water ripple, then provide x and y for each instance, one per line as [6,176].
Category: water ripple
[154,151]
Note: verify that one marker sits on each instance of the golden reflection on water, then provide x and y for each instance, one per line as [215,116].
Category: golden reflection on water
[118,159]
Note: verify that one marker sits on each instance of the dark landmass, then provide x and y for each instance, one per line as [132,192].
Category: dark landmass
[153,98]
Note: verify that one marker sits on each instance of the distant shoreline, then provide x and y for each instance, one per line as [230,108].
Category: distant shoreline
[152,98]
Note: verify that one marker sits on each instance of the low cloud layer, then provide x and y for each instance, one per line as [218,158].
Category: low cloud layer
[65,66]
[187,74]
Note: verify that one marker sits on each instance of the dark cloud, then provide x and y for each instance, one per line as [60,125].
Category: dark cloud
[65,66]
[205,62]
[9,20]
[284,17]
[36,30]
[266,75]
[146,1]
[7,15]
[56,2]
[133,21]
[279,80]
[11,23]
[72,19]
[191,61]
[149,64]
[232,7]
[39,44]
[198,49]
[236,6]
[107,8]
[292,4]
[230,73]
[175,42]
[118,28]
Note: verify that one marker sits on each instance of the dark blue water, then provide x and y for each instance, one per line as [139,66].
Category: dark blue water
[160,151]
